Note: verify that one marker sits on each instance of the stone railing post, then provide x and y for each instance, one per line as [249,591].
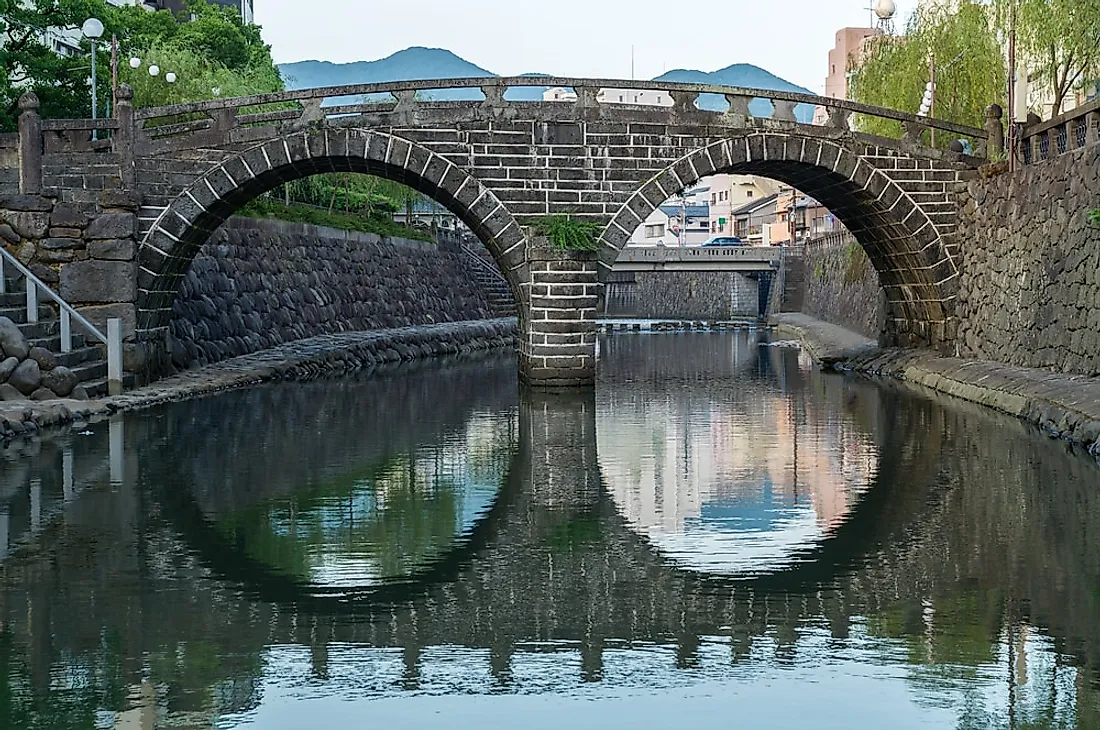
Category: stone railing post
[995,131]
[124,136]
[558,317]
[30,145]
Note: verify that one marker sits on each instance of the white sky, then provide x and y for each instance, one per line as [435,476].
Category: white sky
[589,38]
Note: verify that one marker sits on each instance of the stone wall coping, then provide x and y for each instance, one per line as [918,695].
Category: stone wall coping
[287,228]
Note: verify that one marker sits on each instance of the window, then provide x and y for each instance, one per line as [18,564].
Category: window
[635,98]
[659,99]
[655,231]
[748,193]
[713,198]
[620,97]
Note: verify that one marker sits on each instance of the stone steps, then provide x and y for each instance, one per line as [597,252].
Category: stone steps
[87,361]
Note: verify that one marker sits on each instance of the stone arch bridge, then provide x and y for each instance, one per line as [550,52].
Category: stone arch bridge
[500,165]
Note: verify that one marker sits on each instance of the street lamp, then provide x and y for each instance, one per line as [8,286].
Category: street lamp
[93,31]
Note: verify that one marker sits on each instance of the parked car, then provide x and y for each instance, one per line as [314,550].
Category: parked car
[723,241]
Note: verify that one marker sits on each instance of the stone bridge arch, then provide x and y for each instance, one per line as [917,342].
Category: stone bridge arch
[166,250]
[897,207]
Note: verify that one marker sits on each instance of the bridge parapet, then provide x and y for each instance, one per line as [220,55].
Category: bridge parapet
[699,258]
[1065,133]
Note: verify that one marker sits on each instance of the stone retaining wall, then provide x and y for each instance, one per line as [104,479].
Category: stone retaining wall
[1030,288]
[842,287]
[260,283]
[706,295]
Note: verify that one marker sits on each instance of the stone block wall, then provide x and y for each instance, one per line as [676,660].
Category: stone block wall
[706,295]
[1030,288]
[259,283]
[841,286]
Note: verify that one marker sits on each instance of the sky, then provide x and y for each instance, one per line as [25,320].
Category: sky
[585,38]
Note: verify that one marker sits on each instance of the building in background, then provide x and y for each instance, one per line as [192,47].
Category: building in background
[244,7]
[730,192]
[850,49]
[752,221]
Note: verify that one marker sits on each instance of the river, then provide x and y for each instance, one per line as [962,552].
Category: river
[719,535]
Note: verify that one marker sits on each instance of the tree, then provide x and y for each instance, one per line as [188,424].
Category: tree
[1057,39]
[970,68]
[211,49]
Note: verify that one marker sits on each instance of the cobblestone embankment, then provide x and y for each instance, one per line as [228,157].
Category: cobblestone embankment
[322,356]
[1062,406]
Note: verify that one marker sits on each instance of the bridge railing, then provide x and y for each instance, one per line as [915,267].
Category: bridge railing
[307,106]
[1065,133]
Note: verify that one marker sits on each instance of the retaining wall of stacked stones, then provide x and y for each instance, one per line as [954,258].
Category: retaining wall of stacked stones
[259,283]
[842,287]
[1030,288]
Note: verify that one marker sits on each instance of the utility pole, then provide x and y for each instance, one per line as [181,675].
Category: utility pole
[932,106]
[1012,86]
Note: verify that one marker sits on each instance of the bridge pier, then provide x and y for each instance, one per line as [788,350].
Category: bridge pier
[559,298]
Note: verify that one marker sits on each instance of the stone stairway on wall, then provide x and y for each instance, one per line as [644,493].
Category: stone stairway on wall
[794,281]
[87,362]
[490,281]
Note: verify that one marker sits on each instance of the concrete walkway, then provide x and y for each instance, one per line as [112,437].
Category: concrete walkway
[1063,406]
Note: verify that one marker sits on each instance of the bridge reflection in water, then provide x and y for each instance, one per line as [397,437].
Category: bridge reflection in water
[426,532]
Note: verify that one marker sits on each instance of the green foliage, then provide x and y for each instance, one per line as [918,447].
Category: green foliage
[1094,217]
[970,69]
[568,233]
[215,50]
[266,207]
[1056,40]
[856,264]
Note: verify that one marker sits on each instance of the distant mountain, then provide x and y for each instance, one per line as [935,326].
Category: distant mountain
[419,63]
[746,76]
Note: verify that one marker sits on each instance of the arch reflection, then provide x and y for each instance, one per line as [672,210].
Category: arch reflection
[717,462]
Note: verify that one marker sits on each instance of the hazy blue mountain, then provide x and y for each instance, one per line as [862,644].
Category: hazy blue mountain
[437,63]
[744,75]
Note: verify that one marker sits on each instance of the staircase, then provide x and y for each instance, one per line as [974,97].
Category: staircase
[87,360]
[492,284]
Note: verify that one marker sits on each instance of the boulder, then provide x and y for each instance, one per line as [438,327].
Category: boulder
[116,249]
[68,215]
[45,359]
[8,234]
[60,380]
[9,392]
[7,368]
[26,377]
[28,225]
[99,281]
[12,341]
[111,225]
[30,203]
[43,394]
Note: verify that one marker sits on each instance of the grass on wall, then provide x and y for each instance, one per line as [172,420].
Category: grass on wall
[568,233]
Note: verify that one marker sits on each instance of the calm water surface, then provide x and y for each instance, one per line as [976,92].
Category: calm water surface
[720,536]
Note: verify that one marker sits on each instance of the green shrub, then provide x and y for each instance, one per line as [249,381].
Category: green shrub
[1094,217]
[568,233]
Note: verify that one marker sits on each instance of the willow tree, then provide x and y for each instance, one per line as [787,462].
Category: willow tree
[963,46]
[1058,40]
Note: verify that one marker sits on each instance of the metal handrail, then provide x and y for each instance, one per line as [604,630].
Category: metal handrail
[503,83]
[483,264]
[113,338]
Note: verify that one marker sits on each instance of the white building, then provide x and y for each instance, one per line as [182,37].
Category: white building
[731,192]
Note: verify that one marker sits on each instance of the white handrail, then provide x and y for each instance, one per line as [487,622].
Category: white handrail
[113,338]
[482,263]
